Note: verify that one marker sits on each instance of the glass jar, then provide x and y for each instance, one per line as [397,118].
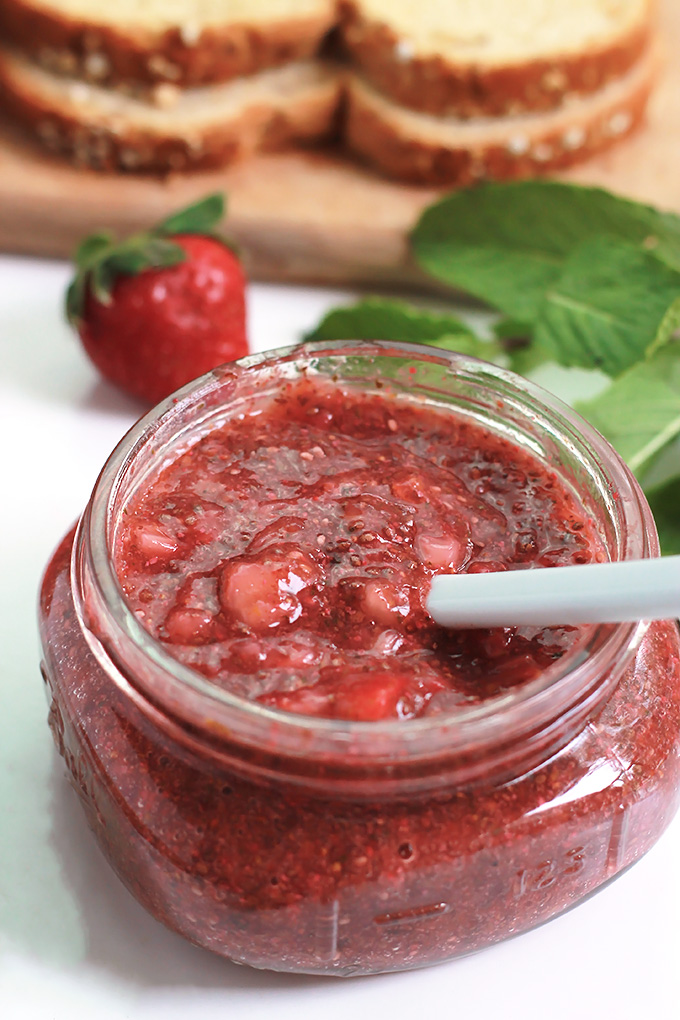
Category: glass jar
[323,846]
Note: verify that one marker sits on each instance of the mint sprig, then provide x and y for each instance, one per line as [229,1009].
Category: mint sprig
[639,413]
[665,500]
[581,278]
[379,319]
[507,243]
[612,305]
[100,259]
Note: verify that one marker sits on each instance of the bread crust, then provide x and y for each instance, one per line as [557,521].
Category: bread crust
[109,55]
[106,143]
[554,142]
[432,84]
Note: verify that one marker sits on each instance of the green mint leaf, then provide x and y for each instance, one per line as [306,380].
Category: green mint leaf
[663,240]
[639,413]
[665,503]
[506,243]
[464,343]
[526,359]
[200,218]
[669,328]
[378,319]
[512,332]
[510,281]
[610,308]
[516,340]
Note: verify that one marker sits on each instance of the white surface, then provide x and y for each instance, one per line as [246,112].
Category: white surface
[73,942]
[591,593]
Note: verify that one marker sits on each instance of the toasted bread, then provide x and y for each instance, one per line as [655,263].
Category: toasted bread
[168,128]
[494,58]
[425,148]
[184,42]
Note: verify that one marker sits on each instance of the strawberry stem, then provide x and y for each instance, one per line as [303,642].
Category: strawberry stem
[100,260]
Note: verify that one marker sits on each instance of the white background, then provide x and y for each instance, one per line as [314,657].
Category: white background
[73,942]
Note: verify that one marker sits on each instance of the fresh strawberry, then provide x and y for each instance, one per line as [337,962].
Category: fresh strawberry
[162,307]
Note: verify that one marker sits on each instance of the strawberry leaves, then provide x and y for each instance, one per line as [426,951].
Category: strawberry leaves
[200,218]
[100,259]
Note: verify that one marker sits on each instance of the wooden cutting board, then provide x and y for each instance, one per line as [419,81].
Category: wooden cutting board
[298,216]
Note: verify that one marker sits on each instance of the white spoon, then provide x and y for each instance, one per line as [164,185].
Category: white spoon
[553,596]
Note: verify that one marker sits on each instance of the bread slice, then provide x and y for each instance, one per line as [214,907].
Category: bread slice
[185,42]
[167,128]
[473,58]
[424,148]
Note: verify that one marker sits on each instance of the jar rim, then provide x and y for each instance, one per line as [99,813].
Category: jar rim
[202,703]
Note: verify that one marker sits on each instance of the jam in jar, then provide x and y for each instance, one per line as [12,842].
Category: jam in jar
[279,752]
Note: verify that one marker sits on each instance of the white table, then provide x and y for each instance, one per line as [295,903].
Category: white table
[73,943]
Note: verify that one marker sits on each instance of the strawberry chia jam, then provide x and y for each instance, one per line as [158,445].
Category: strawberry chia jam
[282,756]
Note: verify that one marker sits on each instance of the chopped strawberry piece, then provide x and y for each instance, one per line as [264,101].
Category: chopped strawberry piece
[371,698]
[153,539]
[385,603]
[444,548]
[304,701]
[252,593]
[261,591]
[188,626]
[360,697]
[409,487]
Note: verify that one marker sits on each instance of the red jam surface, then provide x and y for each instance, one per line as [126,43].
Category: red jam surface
[287,555]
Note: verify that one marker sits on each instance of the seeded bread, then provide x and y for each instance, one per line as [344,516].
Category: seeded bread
[424,148]
[167,128]
[185,42]
[473,58]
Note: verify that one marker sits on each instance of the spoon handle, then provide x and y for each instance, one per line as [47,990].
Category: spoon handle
[619,592]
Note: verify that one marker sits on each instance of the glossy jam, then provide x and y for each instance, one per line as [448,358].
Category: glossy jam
[301,841]
[287,555]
